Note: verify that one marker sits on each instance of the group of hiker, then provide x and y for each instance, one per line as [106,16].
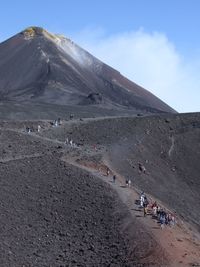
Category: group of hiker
[55,123]
[163,217]
[70,142]
[128,181]
[31,129]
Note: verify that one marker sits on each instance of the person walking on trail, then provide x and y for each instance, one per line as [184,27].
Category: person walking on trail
[145,205]
[145,208]
[146,200]
[114,178]
[39,128]
[154,209]
[28,129]
[126,182]
[142,196]
[129,183]
[107,171]
[172,220]
[162,219]
[71,143]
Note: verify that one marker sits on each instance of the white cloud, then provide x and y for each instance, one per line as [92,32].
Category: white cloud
[150,60]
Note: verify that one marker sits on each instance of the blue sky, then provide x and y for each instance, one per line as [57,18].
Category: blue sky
[154,43]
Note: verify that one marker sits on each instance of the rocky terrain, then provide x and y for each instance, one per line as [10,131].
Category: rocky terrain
[54,214]
[167,145]
[57,211]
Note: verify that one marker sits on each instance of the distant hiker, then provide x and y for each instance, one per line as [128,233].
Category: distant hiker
[167,218]
[129,183]
[114,178]
[173,168]
[55,123]
[158,211]
[146,200]
[142,199]
[39,128]
[74,145]
[145,208]
[107,171]
[173,220]
[154,204]
[28,130]
[162,218]
[154,208]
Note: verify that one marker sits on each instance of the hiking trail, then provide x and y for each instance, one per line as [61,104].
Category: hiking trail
[176,241]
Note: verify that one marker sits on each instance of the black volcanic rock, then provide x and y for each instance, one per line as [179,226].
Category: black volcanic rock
[93,98]
[41,67]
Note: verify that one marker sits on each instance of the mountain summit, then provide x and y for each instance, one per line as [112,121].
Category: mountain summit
[38,66]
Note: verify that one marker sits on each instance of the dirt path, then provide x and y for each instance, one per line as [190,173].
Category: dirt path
[36,155]
[36,135]
[172,146]
[177,242]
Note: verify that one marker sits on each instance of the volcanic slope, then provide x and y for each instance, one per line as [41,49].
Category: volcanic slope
[56,210]
[168,146]
[55,214]
[39,67]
